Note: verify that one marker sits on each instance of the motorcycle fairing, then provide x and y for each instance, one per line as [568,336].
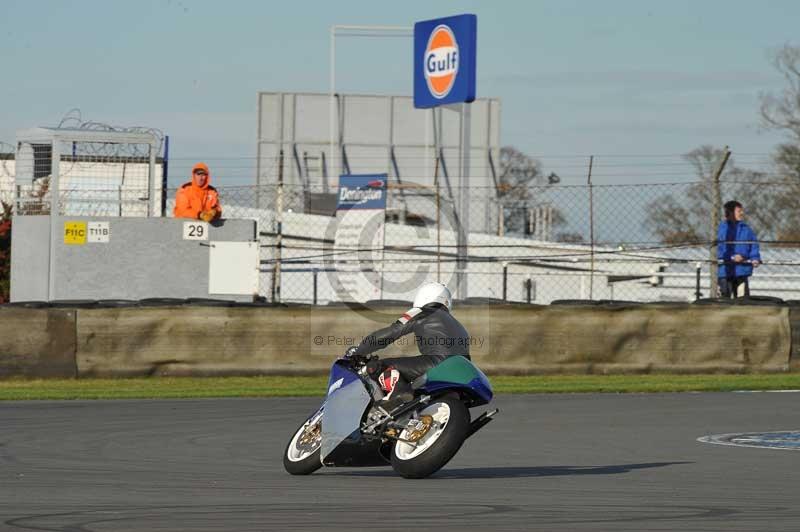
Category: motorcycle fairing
[344,408]
[457,372]
[340,371]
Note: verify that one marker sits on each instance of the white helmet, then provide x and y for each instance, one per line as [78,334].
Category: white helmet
[433,293]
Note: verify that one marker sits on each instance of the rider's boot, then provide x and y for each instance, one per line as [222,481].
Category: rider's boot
[398,390]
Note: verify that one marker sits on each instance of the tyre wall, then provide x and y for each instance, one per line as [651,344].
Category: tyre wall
[241,340]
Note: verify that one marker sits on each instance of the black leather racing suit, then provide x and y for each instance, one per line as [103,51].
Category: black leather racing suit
[437,333]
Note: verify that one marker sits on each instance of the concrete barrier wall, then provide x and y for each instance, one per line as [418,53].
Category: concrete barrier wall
[300,340]
[194,341]
[794,325]
[636,339]
[37,342]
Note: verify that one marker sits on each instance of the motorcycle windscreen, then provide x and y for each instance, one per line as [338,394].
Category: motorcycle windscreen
[343,411]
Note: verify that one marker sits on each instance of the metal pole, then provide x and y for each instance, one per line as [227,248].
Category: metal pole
[531,226]
[591,229]
[528,289]
[332,110]
[500,219]
[55,234]
[538,224]
[152,207]
[438,200]
[316,275]
[426,158]
[358,31]
[280,135]
[698,268]
[505,282]
[382,266]
[463,195]
[276,274]
[120,196]
[258,148]
[549,223]
[438,222]
[165,175]
[715,219]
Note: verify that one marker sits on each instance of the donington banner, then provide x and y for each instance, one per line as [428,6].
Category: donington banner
[359,238]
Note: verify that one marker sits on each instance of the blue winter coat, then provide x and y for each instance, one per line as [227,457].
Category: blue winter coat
[736,238]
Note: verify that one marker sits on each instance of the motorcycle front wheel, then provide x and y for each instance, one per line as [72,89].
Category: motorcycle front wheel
[302,454]
[449,425]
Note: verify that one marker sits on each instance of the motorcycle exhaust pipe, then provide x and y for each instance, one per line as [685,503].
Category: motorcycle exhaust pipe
[481,421]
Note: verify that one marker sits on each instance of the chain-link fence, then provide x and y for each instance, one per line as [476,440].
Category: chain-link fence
[538,244]
[94,173]
[610,242]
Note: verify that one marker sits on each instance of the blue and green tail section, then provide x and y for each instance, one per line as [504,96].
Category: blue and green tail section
[459,374]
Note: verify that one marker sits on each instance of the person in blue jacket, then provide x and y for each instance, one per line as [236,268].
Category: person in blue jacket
[737,252]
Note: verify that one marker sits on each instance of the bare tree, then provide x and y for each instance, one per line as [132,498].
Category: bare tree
[684,220]
[782,111]
[520,189]
[772,202]
[772,206]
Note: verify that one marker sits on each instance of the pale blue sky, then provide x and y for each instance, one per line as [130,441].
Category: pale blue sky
[612,78]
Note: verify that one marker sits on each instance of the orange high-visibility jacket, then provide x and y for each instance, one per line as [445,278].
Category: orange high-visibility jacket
[192,199]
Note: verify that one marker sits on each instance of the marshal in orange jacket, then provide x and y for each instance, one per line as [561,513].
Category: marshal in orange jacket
[198,199]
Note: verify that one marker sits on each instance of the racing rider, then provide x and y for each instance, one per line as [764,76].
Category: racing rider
[437,333]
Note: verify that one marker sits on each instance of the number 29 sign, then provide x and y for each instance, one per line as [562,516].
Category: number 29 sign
[195,231]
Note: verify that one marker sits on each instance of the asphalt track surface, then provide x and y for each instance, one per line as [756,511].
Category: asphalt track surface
[548,462]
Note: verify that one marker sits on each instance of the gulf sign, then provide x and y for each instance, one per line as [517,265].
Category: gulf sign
[441,61]
[444,60]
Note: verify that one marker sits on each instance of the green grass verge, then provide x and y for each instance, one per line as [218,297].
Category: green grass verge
[274,386]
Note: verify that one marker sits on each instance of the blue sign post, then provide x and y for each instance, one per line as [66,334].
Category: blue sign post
[444,75]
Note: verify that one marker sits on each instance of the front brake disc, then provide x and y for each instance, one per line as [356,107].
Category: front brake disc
[418,428]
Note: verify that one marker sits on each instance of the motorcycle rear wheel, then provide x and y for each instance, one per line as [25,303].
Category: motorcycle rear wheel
[439,445]
[304,460]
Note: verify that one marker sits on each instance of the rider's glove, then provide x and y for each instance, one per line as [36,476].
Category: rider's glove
[351,352]
[374,366]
